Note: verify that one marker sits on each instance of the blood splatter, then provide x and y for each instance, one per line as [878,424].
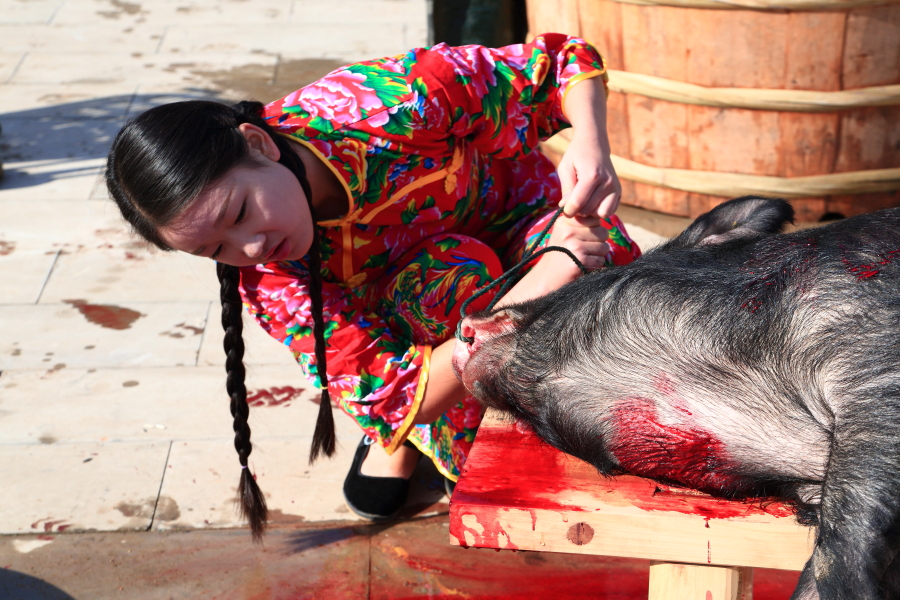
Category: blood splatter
[867,270]
[106,315]
[511,468]
[274,396]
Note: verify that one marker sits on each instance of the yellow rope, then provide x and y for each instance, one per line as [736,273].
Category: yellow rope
[760,99]
[737,184]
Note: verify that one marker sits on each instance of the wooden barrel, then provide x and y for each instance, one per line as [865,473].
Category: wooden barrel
[799,99]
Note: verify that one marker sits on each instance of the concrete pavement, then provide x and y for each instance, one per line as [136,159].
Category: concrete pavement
[113,416]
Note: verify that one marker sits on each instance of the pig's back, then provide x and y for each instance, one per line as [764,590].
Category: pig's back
[747,344]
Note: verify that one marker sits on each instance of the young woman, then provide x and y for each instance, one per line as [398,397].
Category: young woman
[354,216]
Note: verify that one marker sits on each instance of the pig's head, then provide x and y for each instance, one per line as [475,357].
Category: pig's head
[481,359]
[512,357]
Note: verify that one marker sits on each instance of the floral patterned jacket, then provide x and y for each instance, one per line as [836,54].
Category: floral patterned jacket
[422,143]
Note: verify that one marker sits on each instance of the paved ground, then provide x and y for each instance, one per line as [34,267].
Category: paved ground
[118,470]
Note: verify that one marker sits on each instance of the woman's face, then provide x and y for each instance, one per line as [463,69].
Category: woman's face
[256,213]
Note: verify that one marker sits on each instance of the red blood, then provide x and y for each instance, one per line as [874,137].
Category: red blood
[511,468]
[274,396]
[680,452]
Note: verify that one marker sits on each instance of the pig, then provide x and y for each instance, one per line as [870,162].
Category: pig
[736,360]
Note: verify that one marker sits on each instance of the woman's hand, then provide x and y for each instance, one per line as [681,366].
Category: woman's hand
[590,186]
[584,237]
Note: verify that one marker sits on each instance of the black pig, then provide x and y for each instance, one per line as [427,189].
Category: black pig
[734,360]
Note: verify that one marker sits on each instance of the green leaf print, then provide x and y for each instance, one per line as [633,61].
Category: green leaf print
[377,260]
[399,123]
[616,237]
[392,346]
[367,384]
[418,86]
[378,186]
[409,213]
[494,102]
[447,244]
[390,87]
[367,422]
[323,125]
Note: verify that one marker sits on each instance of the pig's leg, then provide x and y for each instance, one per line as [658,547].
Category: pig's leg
[806,587]
[858,532]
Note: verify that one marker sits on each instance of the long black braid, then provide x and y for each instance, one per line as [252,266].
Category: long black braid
[252,502]
[159,163]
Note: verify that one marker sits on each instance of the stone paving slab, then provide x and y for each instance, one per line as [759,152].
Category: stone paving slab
[131,275]
[88,36]
[60,225]
[350,42]
[413,558]
[172,68]
[79,487]
[52,179]
[260,347]
[325,12]
[29,13]
[128,334]
[65,101]
[8,63]
[143,404]
[202,477]
[23,273]
[121,14]
[334,560]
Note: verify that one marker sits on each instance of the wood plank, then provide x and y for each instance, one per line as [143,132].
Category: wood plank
[653,40]
[552,16]
[517,492]
[695,582]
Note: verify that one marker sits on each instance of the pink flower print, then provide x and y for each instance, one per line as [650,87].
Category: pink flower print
[515,56]
[340,97]
[473,62]
[428,214]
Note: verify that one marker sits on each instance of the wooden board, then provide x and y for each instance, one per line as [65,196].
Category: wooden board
[518,493]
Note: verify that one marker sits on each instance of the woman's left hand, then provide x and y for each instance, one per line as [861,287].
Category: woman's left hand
[590,186]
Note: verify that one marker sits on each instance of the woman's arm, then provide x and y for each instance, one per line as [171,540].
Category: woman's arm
[589,183]
[443,388]
[590,190]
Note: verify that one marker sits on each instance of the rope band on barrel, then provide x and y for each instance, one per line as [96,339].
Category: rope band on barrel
[731,185]
[771,5]
[809,101]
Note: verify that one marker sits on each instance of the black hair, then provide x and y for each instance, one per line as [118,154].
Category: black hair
[159,163]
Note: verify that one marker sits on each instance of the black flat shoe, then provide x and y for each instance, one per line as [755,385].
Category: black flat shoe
[375,498]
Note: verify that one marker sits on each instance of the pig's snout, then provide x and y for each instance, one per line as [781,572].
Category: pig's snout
[470,336]
[465,347]
[481,352]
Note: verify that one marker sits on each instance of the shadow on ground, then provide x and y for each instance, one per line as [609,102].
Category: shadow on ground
[19,586]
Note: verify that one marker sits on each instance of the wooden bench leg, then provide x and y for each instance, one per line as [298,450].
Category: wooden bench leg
[674,581]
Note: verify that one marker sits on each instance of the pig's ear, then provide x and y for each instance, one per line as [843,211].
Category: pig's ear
[741,218]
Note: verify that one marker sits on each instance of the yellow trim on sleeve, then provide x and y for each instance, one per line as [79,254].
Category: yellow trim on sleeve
[403,431]
[578,79]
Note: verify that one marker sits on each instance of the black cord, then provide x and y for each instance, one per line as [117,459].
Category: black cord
[514,275]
